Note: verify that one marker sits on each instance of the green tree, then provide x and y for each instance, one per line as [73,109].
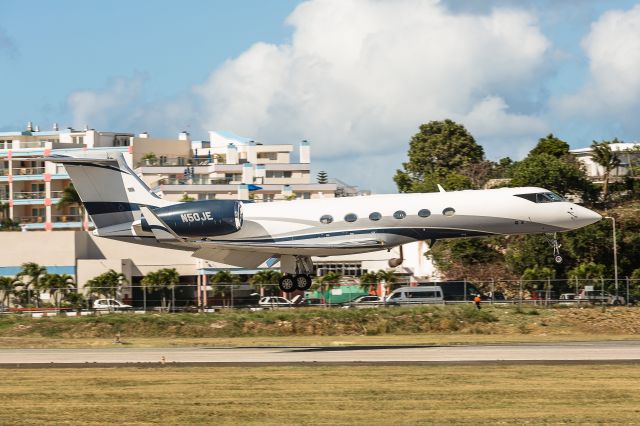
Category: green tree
[71,198]
[322,177]
[605,157]
[161,280]
[57,285]
[537,273]
[587,271]
[223,279]
[75,299]
[561,175]
[186,198]
[107,284]
[439,154]
[551,145]
[7,286]
[368,281]
[329,280]
[30,277]
[264,277]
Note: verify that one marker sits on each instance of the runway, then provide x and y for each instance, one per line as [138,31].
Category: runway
[581,352]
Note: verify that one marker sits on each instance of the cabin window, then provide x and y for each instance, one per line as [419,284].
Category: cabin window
[400,214]
[542,197]
[326,219]
[375,216]
[449,211]
[351,217]
[424,213]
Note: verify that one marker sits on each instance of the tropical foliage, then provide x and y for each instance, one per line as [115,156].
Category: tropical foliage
[107,284]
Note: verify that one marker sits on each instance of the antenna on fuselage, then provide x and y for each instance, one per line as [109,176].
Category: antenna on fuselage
[440,188]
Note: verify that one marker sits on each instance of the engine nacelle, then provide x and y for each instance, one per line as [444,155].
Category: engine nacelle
[207,218]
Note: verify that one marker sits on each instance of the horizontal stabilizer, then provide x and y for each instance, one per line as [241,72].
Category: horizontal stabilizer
[242,258]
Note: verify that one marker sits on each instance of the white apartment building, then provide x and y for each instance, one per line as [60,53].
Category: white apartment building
[628,153]
[224,167]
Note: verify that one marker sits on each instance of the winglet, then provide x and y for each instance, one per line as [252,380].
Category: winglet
[160,230]
[440,188]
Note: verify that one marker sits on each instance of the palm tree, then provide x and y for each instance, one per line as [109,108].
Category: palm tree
[266,276]
[7,286]
[388,277]
[368,281]
[223,277]
[107,284]
[33,273]
[57,285]
[162,279]
[605,157]
[70,197]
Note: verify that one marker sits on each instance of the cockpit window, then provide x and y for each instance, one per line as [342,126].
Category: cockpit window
[542,197]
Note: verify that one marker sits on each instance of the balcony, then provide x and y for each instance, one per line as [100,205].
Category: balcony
[66,218]
[37,195]
[30,219]
[25,171]
[165,162]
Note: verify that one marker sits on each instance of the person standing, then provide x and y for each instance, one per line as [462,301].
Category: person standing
[477,300]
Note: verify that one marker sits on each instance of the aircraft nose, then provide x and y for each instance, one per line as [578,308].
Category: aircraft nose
[586,217]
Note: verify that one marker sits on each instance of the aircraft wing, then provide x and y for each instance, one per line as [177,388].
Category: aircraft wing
[244,258]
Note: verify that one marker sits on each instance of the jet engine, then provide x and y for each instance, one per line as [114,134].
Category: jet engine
[207,218]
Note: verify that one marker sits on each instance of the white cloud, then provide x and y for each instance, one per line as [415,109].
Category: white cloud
[360,76]
[357,79]
[612,89]
[122,105]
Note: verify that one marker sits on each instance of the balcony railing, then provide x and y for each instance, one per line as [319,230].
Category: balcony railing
[166,161]
[29,195]
[4,195]
[56,194]
[22,171]
[64,218]
[30,219]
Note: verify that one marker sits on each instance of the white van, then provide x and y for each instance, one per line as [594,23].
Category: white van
[410,295]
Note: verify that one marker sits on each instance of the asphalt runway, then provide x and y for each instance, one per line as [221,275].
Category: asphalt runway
[581,352]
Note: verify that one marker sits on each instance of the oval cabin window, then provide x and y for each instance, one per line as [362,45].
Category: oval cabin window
[449,211]
[326,219]
[399,214]
[351,217]
[375,216]
[424,213]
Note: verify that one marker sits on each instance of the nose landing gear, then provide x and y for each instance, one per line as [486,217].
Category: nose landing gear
[553,242]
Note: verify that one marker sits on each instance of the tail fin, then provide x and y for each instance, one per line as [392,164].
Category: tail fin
[110,191]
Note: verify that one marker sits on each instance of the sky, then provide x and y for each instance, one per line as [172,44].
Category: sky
[354,77]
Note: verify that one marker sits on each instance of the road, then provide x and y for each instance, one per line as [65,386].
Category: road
[582,352]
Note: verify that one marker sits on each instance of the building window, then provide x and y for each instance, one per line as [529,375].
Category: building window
[351,217]
[449,211]
[375,216]
[326,219]
[424,213]
[399,214]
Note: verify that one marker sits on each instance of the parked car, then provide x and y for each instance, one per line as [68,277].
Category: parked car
[599,296]
[416,295]
[275,302]
[110,305]
[365,302]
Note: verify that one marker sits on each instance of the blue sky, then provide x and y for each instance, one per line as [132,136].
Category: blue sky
[355,77]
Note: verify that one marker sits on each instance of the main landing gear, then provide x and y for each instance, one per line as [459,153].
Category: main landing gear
[297,273]
[553,242]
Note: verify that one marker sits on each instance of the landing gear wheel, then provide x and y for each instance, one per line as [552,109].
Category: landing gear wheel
[555,245]
[558,259]
[287,284]
[303,282]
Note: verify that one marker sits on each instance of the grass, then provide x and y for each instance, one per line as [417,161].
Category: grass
[394,326]
[324,395]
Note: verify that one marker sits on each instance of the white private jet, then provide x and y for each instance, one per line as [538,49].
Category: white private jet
[246,234]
